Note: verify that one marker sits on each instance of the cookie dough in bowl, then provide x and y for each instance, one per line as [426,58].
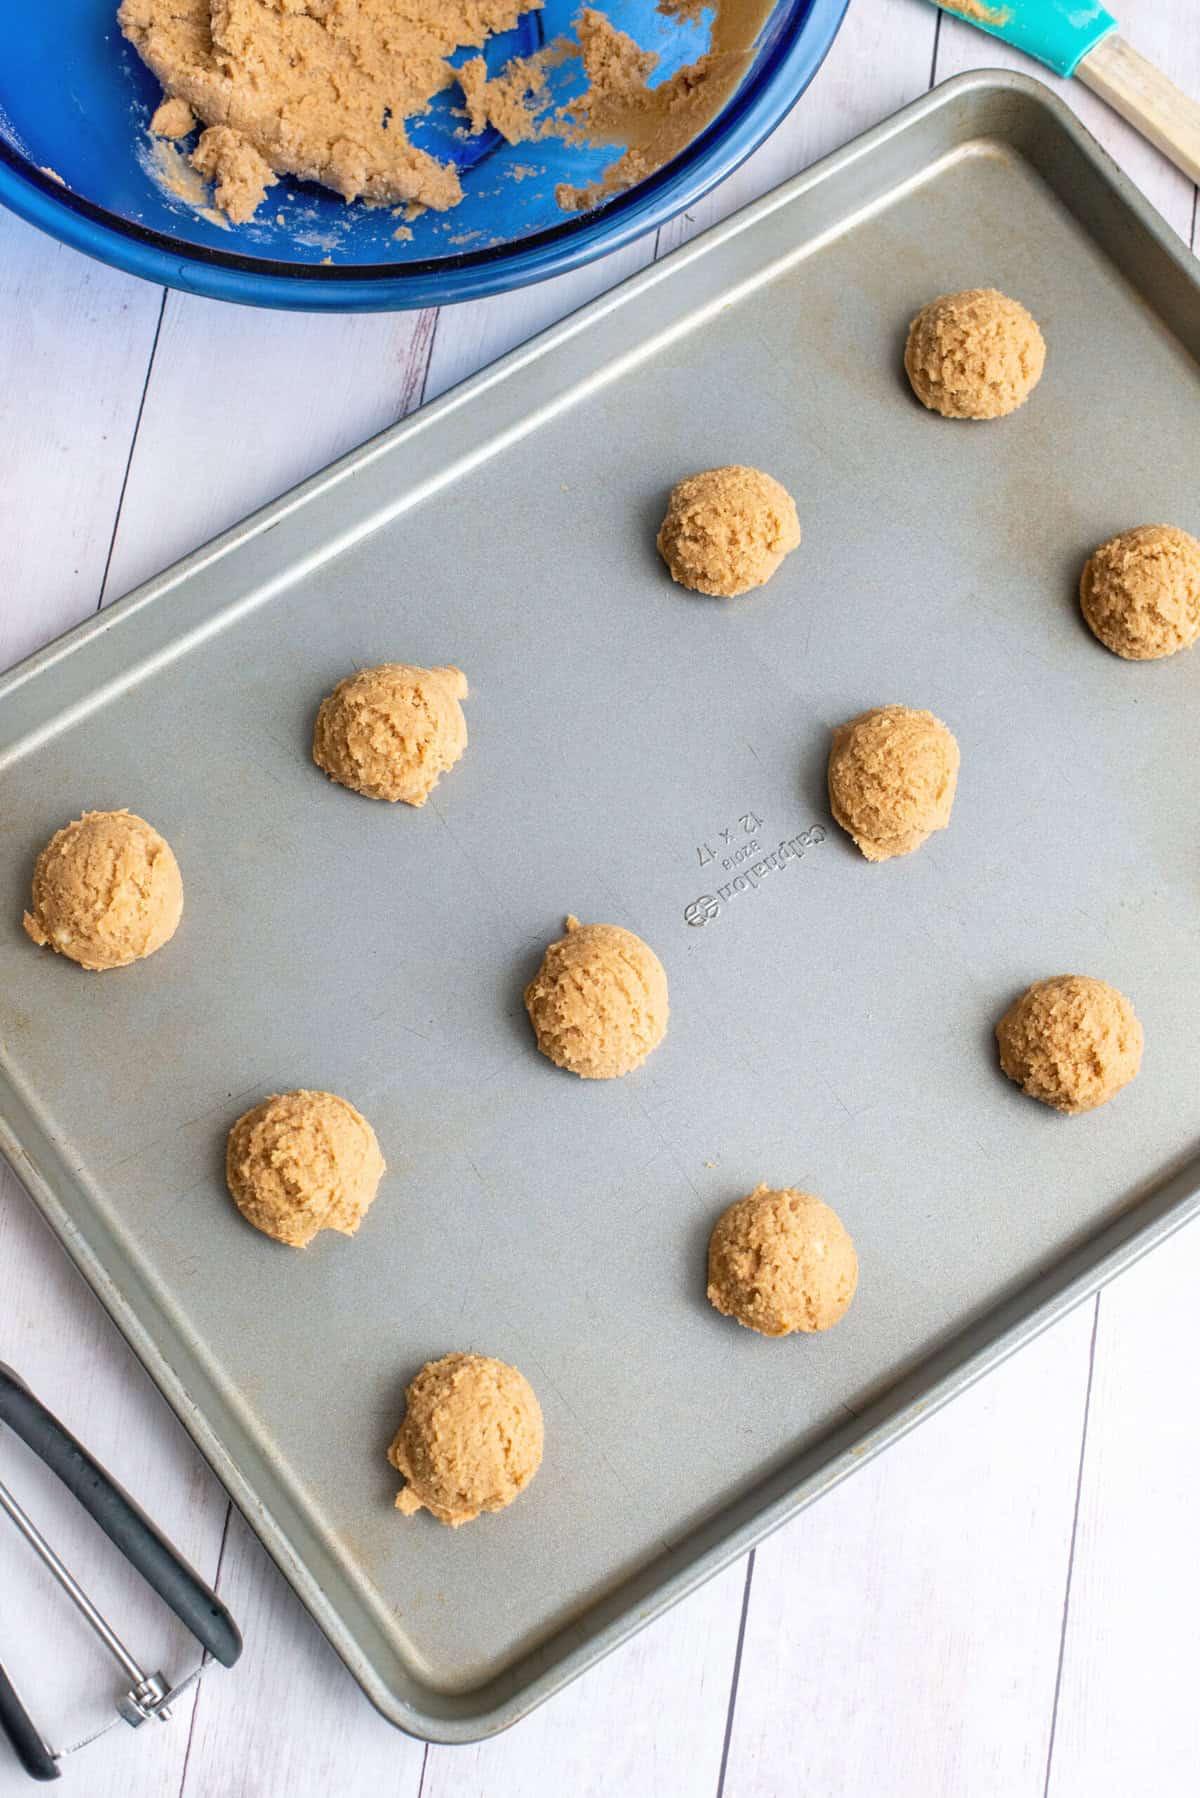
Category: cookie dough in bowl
[975,354]
[892,778]
[1140,592]
[727,530]
[302,1162]
[598,1003]
[321,91]
[107,891]
[781,1260]
[471,1439]
[1072,1042]
[391,732]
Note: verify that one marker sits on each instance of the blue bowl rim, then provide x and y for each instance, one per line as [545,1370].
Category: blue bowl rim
[752,115]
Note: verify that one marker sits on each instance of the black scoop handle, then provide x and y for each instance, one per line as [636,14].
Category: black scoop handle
[125,1525]
[18,1726]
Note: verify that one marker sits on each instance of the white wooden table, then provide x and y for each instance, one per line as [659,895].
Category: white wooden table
[1007,1603]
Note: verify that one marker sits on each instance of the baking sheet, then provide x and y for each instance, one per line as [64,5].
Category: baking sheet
[831,1021]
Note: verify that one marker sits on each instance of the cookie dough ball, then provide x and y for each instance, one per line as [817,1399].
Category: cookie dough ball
[391,732]
[173,118]
[598,1003]
[780,1261]
[302,1162]
[975,354]
[471,1439]
[1140,592]
[892,775]
[727,530]
[1071,1042]
[106,891]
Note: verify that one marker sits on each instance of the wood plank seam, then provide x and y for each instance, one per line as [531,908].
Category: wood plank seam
[1066,1610]
[412,388]
[199,1689]
[736,1675]
[137,425]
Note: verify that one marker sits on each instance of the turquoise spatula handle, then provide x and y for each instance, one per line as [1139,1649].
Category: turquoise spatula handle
[1056,32]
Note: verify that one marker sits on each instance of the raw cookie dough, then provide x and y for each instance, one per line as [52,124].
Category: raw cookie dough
[471,1439]
[780,1261]
[324,89]
[1071,1042]
[1140,592]
[391,732]
[622,103]
[727,530]
[302,1162]
[320,91]
[975,354]
[892,775]
[598,1003]
[106,891]
[173,118]
[239,174]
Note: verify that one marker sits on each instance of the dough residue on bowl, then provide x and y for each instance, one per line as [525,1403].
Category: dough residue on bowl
[324,93]
[621,104]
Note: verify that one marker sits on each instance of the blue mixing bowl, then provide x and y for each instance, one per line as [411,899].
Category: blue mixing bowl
[75,100]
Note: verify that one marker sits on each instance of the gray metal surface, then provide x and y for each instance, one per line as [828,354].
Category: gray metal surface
[830,1024]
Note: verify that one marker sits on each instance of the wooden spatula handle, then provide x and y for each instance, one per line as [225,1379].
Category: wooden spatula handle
[1143,95]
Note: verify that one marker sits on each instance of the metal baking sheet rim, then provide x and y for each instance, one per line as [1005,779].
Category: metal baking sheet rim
[1168,1201]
